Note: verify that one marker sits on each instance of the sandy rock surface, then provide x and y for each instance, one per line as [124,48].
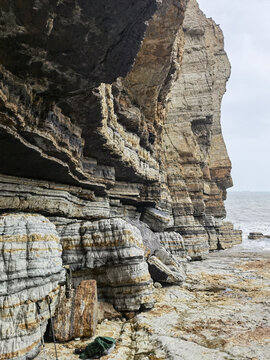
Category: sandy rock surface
[222,312]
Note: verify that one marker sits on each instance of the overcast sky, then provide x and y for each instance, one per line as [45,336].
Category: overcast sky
[246,104]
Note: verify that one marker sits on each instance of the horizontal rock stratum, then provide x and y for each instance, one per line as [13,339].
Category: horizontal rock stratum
[111,152]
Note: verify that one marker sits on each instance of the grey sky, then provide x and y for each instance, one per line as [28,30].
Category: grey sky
[246,105]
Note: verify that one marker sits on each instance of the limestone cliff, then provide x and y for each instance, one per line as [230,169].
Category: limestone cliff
[110,143]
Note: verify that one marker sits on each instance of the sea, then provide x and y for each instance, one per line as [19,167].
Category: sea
[250,212]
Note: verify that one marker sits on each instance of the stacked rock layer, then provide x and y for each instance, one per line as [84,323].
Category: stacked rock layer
[31,270]
[111,152]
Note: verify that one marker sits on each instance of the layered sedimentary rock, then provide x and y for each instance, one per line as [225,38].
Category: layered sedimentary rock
[110,127]
[31,270]
[256,236]
[157,220]
[151,137]
[173,243]
[227,236]
[112,252]
[197,164]
[51,199]
[53,55]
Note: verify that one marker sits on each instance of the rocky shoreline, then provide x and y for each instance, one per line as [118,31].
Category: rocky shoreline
[222,312]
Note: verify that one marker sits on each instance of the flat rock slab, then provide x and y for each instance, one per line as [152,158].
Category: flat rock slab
[77,316]
[221,313]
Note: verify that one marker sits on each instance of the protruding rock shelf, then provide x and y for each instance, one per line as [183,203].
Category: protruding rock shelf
[112,160]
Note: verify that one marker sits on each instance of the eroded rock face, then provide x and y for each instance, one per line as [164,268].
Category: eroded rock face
[112,253]
[51,199]
[150,138]
[31,269]
[197,164]
[173,243]
[110,127]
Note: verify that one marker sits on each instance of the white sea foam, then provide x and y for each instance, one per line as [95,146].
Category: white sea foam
[250,212]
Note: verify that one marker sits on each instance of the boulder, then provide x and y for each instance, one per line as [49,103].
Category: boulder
[77,315]
[255,235]
[164,268]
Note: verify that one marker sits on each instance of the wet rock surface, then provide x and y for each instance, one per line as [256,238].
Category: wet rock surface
[221,313]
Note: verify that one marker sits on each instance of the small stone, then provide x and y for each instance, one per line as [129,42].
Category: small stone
[130,315]
[107,311]
[157,285]
[255,235]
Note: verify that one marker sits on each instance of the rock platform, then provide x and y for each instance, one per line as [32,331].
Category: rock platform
[221,313]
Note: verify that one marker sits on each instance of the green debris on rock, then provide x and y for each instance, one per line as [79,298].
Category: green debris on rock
[98,347]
